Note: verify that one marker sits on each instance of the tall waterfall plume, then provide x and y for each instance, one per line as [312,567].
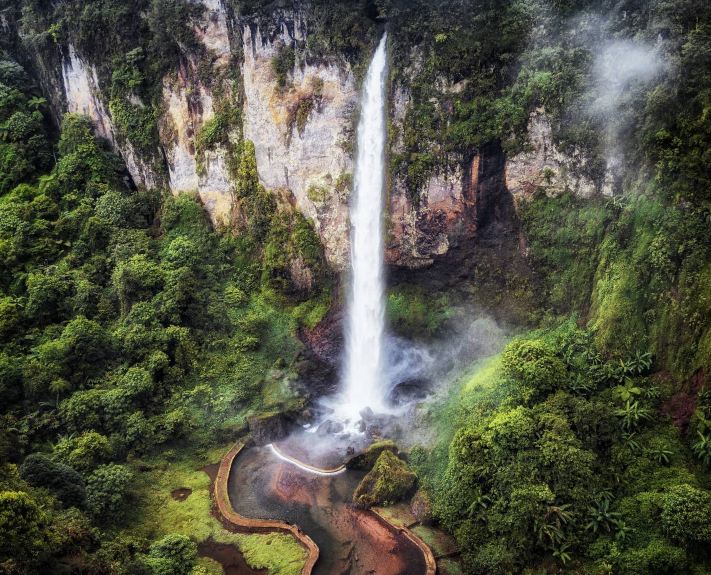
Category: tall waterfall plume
[364,384]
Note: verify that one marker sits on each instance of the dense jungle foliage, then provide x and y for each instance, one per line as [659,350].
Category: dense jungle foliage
[135,337]
[127,322]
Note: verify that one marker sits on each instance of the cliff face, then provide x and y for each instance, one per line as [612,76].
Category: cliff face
[544,166]
[82,95]
[303,128]
[189,103]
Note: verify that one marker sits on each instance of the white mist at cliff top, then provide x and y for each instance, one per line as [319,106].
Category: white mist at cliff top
[363,374]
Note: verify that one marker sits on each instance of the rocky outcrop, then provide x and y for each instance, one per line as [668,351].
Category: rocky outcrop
[421,230]
[270,427]
[543,166]
[189,104]
[302,124]
[82,95]
[419,233]
[300,130]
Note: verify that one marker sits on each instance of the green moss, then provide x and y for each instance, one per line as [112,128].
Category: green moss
[344,184]
[366,460]
[310,313]
[317,193]
[563,235]
[283,63]
[275,552]
[216,132]
[135,123]
[303,110]
[207,566]
[389,481]
[157,514]
[415,313]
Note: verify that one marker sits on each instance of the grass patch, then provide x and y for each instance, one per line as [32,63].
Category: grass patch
[207,566]
[156,514]
[309,314]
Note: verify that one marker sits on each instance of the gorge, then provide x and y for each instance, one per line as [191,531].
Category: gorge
[354,286]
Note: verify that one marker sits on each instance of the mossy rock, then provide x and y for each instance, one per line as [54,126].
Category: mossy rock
[389,481]
[421,507]
[366,460]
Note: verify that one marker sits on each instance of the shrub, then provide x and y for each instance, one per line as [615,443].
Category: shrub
[85,451]
[40,471]
[24,529]
[106,490]
[533,365]
[494,558]
[658,557]
[685,514]
[173,555]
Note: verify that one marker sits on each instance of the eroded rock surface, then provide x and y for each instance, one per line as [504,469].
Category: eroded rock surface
[300,132]
[189,104]
[303,129]
[544,166]
[82,95]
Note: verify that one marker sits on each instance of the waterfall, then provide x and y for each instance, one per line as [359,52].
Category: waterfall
[365,321]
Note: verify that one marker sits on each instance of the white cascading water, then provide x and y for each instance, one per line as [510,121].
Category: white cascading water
[365,322]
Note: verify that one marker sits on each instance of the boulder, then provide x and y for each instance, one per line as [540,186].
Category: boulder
[389,481]
[270,427]
[421,507]
[366,460]
[330,427]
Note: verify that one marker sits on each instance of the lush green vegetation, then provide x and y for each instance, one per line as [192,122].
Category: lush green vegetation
[135,339]
[560,456]
[25,148]
[389,481]
[414,313]
[128,325]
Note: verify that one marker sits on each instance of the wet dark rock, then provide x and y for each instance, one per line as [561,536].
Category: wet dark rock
[374,431]
[330,427]
[325,341]
[366,414]
[270,427]
[411,390]
[305,417]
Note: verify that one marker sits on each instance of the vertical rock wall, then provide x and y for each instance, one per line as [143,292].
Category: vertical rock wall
[189,103]
[301,132]
[304,134]
[544,166]
[82,95]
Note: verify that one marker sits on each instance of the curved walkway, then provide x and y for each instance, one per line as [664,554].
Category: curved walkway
[222,499]
[267,525]
[430,561]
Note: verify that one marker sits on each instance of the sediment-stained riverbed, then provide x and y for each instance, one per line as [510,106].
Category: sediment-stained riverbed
[351,540]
